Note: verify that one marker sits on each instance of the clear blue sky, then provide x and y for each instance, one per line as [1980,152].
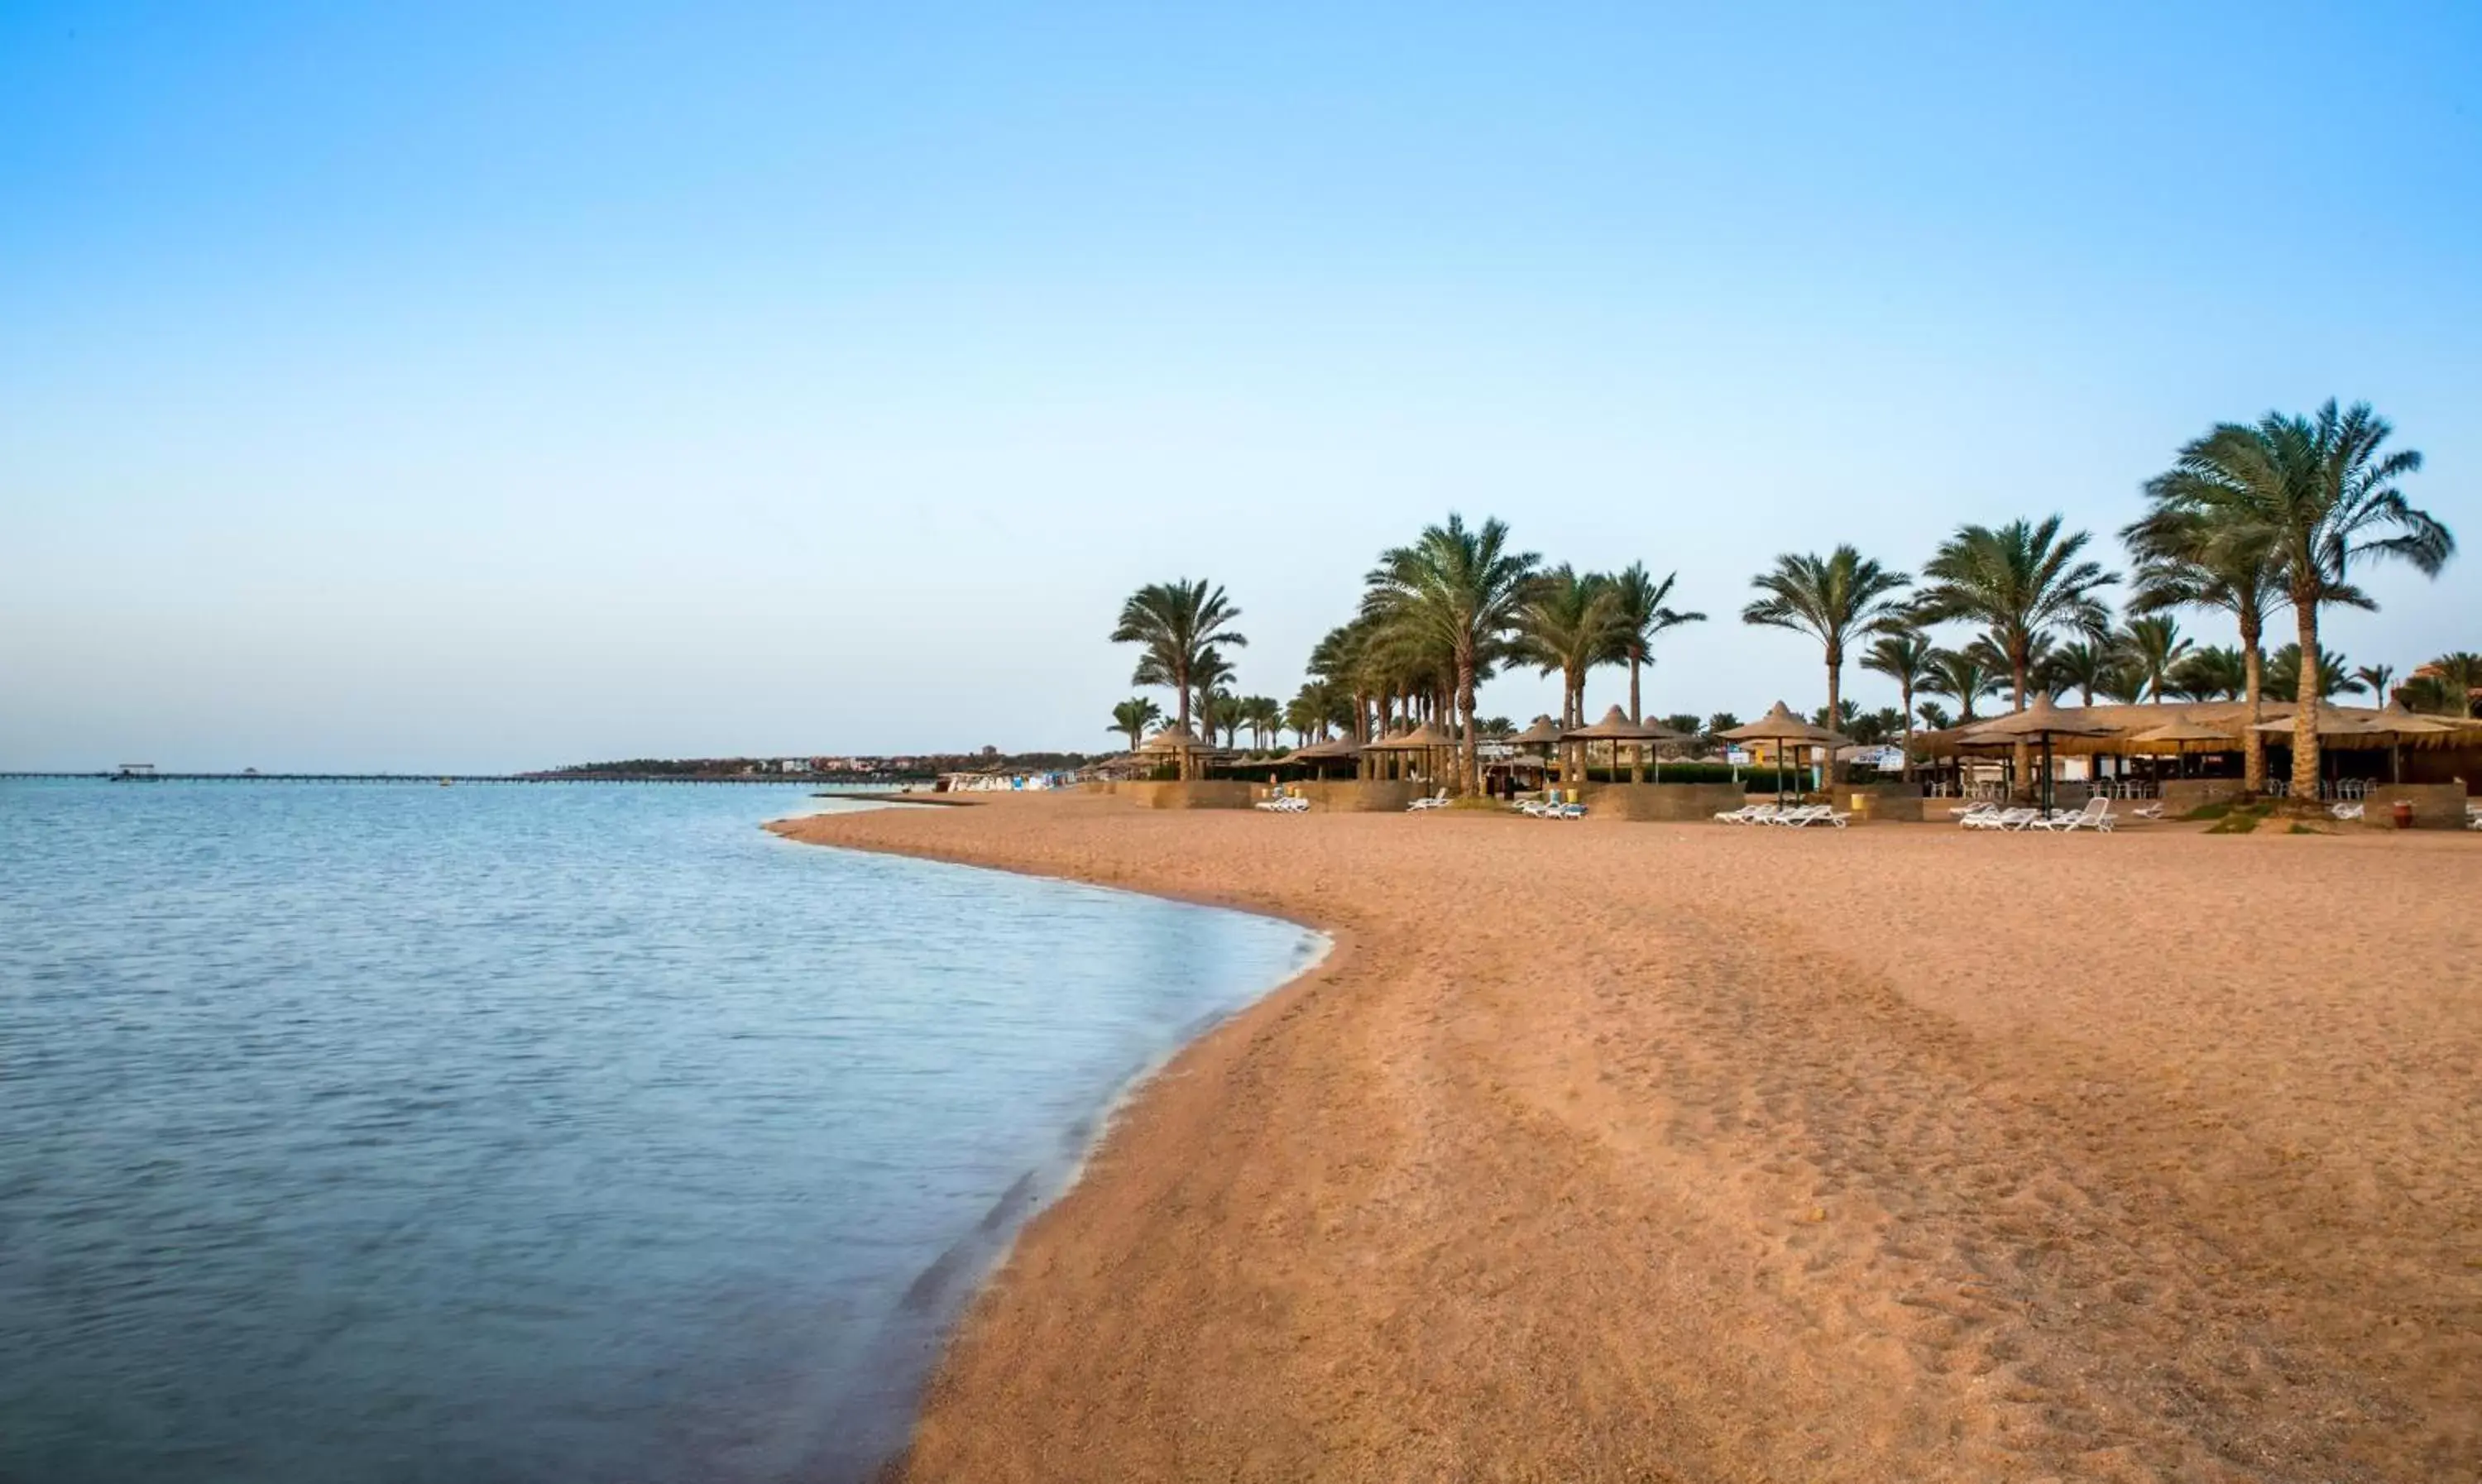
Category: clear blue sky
[443,386]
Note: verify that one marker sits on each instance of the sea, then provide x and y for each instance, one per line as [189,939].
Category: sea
[529,1132]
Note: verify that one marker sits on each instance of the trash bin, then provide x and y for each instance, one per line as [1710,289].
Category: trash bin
[2402,811]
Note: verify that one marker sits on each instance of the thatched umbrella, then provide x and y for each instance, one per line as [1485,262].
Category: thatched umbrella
[1545,734]
[1318,755]
[1784,729]
[2175,736]
[1616,728]
[2045,721]
[1179,744]
[1424,742]
[2390,729]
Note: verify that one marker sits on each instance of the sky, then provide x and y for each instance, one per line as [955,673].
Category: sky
[483,386]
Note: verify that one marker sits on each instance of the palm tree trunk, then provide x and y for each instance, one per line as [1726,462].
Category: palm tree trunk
[1908,742]
[2022,760]
[1180,689]
[1635,718]
[2252,691]
[1468,759]
[1835,698]
[2305,720]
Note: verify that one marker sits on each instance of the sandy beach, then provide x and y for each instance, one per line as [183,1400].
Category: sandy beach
[1605,1150]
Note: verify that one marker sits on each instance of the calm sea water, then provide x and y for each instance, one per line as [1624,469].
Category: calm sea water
[527,1133]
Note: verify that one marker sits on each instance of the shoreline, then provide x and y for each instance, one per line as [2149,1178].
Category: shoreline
[1542,1168]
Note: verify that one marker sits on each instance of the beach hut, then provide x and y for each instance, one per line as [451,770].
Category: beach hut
[1786,730]
[1321,757]
[2182,735]
[1411,754]
[1180,746]
[1639,736]
[1540,742]
[2041,722]
[2392,729]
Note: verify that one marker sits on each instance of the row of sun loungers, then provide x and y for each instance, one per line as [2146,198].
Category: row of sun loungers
[2095,815]
[1539,809]
[1283,804]
[1798,816]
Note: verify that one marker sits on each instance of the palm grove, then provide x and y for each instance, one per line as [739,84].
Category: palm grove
[2252,523]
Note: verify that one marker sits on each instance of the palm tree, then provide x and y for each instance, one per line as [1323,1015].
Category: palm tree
[2153,648]
[2450,685]
[2081,665]
[1220,710]
[1207,678]
[1935,716]
[2186,561]
[1835,599]
[2378,681]
[1179,623]
[2321,495]
[1134,716]
[1264,716]
[1639,613]
[1455,591]
[1964,677]
[1565,623]
[1904,658]
[2021,580]
[2216,674]
[2284,673]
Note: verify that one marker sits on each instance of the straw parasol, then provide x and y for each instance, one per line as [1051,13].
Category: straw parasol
[1616,728]
[1179,743]
[1424,741]
[1318,755]
[2180,731]
[2390,729]
[2042,720]
[1784,729]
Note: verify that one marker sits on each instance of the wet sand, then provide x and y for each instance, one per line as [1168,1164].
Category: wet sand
[1612,1151]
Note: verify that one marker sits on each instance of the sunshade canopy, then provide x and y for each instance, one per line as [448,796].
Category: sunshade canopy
[1781,726]
[1420,739]
[2039,720]
[1175,738]
[1615,727]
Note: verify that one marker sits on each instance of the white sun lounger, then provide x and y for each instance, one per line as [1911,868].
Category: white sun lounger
[2003,819]
[2095,815]
[1436,801]
[1803,817]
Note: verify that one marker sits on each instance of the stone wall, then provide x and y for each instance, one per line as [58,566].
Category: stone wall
[2435,806]
[1672,802]
[2180,795]
[1197,794]
[1355,796]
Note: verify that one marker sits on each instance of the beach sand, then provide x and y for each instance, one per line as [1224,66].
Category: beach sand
[1611,1151]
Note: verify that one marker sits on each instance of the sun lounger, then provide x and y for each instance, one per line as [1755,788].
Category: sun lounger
[1436,801]
[1813,815]
[1739,816]
[2095,815]
[2346,811]
[2003,819]
[1979,816]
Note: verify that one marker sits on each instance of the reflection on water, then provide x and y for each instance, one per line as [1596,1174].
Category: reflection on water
[525,1133]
